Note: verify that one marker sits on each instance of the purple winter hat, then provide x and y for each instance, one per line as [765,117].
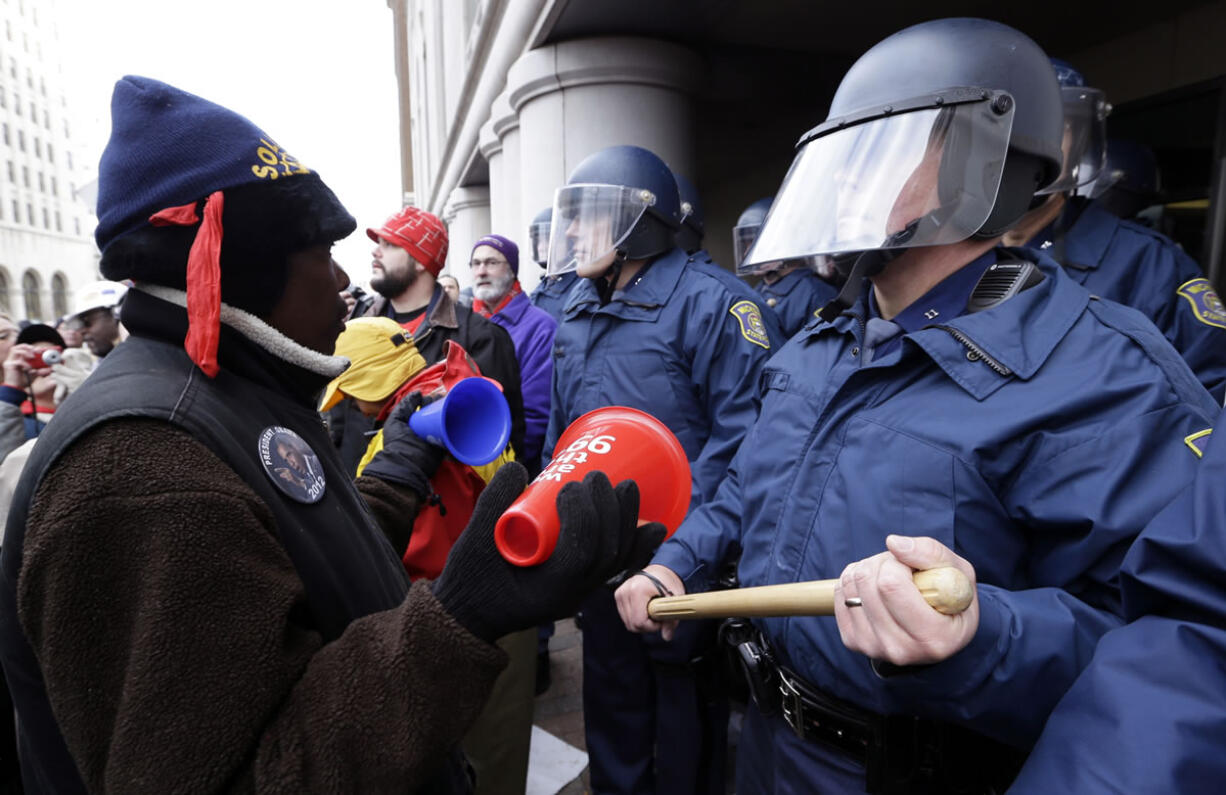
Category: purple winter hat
[508,249]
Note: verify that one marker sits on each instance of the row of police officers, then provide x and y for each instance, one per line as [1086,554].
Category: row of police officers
[1008,379]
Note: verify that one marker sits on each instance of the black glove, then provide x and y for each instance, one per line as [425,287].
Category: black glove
[599,537]
[406,458]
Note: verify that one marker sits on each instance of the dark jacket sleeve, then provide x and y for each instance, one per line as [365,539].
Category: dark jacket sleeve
[492,349]
[394,507]
[172,632]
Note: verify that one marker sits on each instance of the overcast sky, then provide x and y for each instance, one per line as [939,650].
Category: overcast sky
[316,75]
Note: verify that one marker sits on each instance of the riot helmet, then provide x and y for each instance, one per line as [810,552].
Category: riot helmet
[748,224]
[1085,130]
[1129,182]
[689,236]
[619,204]
[940,133]
[538,236]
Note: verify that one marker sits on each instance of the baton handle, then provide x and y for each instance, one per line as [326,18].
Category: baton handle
[945,588]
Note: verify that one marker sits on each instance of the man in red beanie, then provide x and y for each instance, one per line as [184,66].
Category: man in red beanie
[410,250]
[189,618]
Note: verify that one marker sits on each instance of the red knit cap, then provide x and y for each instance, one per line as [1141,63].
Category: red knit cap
[418,232]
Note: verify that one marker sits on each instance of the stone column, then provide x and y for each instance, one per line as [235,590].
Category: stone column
[467,215]
[576,97]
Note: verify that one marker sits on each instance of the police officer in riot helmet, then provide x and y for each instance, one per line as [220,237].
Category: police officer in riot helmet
[551,293]
[1118,259]
[650,327]
[955,408]
[793,290]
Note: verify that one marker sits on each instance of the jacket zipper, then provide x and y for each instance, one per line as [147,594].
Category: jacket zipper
[975,353]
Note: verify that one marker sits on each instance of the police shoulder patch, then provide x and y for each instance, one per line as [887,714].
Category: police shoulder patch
[1206,305]
[749,317]
[1193,441]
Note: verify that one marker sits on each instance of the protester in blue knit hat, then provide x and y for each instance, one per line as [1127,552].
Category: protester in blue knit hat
[219,582]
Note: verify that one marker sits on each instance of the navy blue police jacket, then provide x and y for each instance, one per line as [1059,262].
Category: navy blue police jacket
[795,297]
[684,342]
[1148,714]
[1035,439]
[1142,268]
[552,292]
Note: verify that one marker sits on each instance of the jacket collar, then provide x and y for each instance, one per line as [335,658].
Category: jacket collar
[441,311]
[1086,242]
[643,298]
[1019,334]
[514,311]
[1079,238]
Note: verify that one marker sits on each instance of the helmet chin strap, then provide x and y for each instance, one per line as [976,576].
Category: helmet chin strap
[868,263]
[874,260]
[606,282]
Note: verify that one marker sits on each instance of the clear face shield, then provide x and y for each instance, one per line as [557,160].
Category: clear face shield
[589,223]
[1085,138]
[924,177]
[743,238]
[538,237]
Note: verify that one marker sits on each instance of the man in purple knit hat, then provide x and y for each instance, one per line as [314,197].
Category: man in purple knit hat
[498,296]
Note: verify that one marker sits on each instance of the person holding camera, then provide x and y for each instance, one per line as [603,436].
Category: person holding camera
[27,397]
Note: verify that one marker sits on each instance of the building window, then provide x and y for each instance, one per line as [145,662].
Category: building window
[42,183]
[12,173]
[46,219]
[25,176]
[46,119]
[38,147]
[16,212]
[76,224]
[59,295]
[5,302]
[50,153]
[29,290]
[17,104]
[21,140]
[70,161]
[34,112]
[59,222]
[4,98]
[55,186]
[30,214]
[7,142]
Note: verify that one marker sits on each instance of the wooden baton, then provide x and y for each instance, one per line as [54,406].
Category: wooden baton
[945,588]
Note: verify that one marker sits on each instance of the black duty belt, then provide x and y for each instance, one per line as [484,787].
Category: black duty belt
[900,753]
[815,716]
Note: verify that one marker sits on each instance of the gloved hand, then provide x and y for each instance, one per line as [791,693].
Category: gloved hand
[71,372]
[599,537]
[406,458]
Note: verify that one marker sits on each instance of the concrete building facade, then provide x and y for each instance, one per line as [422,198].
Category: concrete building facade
[46,248]
[500,99]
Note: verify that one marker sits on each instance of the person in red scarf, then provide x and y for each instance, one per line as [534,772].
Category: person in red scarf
[498,296]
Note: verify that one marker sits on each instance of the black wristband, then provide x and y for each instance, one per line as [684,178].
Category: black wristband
[660,588]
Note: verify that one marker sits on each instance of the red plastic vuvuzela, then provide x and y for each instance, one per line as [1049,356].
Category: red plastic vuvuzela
[622,442]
